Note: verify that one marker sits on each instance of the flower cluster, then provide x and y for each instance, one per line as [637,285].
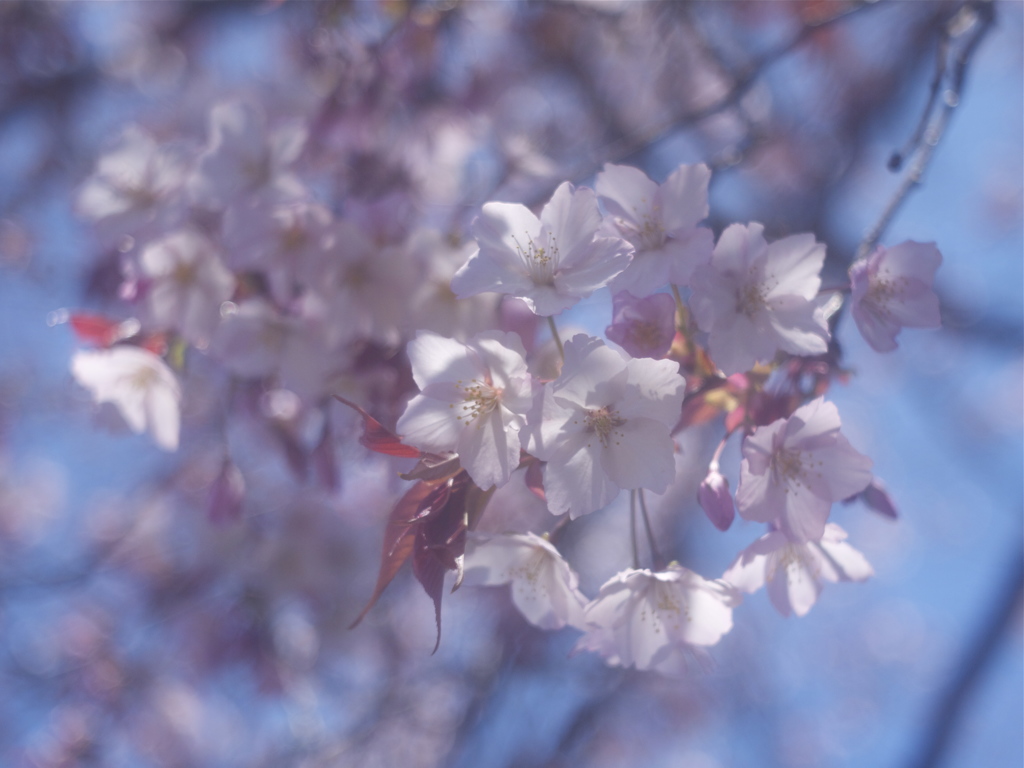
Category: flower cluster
[230,255]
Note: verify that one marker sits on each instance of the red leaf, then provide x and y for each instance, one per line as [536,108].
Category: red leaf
[697,410]
[734,419]
[96,329]
[399,537]
[433,469]
[430,523]
[155,343]
[379,438]
[441,543]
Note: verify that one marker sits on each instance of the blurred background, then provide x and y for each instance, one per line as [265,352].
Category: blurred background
[151,615]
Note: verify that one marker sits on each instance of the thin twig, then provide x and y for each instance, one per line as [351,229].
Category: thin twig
[985,17]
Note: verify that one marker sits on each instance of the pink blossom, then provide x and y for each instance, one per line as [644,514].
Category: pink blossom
[187,284]
[473,400]
[643,619]
[283,239]
[643,327]
[544,588]
[359,287]
[254,340]
[794,469]
[796,571]
[139,384]
[133,187]
[550,262]
[604,424]
[434,306]
[756,298]
[243,157]
[892,289]
[660,222]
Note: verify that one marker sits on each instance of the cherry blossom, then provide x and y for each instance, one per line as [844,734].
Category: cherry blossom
[603,424]
[473,400]
[132,188]
[643,619]
[255,340]
[643,327]
[794,469]
[796,571]
[892,289]
[280,239]
[550,262]
[661,223]
[544,588]
[756,298]
[434,306]
[187,284]
[360,287]
[139,384]
[244,157]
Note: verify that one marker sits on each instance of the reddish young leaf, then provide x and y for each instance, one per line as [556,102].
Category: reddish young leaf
[379,438]
[155,343]
[399,536]
[441,543]
[430,523]
[433,469]
[95,329]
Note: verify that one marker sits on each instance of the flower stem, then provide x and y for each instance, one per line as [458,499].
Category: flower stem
[679,299]
[558,339]
[713,466]
[844,288]
[659,561]
[632,529]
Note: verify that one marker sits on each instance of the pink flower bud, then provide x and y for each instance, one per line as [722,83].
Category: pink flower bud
[716,501]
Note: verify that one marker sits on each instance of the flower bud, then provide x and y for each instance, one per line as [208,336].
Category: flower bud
[715,499]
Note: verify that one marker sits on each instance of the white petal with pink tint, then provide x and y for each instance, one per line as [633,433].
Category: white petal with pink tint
[139,384]
[795,572]
[641,619]
[544,588]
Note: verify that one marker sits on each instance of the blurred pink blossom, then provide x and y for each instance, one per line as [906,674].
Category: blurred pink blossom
[892,289]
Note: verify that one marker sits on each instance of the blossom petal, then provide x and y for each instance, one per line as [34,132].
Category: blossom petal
[435,359]
[626,192]
[489,448]
[683,198]
[574,480]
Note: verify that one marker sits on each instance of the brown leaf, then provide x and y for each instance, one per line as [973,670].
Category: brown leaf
[433,468]
[430,524]
[379,438]
[399,537]
[441,541]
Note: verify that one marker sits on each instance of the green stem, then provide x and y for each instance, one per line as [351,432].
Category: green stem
[659,563]
[632,529]
[558,340]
